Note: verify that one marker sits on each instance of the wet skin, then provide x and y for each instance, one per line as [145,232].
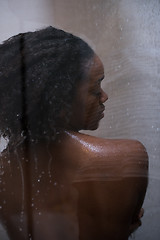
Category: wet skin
[112,181]
[95,183]
[98,184]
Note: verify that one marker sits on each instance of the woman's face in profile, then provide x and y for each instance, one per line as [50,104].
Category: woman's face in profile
[88,104]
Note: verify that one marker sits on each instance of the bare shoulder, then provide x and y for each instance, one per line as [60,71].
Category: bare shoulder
[112,175]
[106,158]
[91,144]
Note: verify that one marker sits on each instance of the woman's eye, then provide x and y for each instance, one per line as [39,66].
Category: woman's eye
[99,83]
[96,92]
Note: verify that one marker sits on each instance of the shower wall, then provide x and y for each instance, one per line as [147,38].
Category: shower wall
[126,35]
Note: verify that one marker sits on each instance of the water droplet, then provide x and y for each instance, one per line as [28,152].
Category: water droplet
[22,133]
[1,172]
[21,220]
[22,213]
[30,237]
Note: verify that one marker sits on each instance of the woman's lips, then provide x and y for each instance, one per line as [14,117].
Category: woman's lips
[102,112]
[102,115]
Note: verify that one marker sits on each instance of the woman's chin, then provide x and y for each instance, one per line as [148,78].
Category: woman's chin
[92,126]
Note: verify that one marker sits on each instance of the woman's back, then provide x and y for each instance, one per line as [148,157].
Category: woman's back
[97,182]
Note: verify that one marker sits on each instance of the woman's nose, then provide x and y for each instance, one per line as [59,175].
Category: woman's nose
[104,96]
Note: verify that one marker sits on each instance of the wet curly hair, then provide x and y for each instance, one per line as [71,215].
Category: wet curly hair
[39,72]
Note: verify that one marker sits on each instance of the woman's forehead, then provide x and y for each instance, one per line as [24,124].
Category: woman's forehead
[96,68]
[94,71]
[95,62]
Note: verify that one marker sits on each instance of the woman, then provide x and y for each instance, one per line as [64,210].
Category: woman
[53,176]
